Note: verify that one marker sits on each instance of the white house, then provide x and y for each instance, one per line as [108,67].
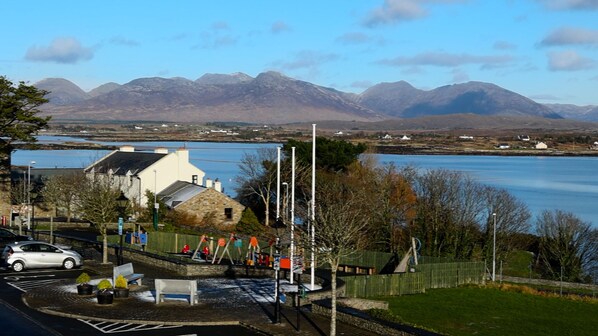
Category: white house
[541,145]
[135,172]
[405,137]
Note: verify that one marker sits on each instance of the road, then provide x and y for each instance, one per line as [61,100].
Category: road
[18,319]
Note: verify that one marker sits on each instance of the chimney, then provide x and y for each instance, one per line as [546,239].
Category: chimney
[161,150]
[183,154]
[208,183]
[127,148]
[218,185]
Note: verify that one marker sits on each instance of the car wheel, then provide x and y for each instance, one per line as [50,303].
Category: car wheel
[68,264]
[18,266]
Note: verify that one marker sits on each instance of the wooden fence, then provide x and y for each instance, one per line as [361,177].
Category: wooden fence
[452,274]
[367,286]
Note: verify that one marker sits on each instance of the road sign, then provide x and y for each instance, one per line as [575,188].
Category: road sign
[120,226]
[276,264]
[298,265]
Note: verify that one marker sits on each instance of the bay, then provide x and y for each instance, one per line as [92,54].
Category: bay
[543,183]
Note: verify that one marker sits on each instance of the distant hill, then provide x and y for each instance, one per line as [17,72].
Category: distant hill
[274,98]
[62,91]
[584,113]
[402,100]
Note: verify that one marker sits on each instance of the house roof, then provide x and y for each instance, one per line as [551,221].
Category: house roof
[122,162]
[179,192]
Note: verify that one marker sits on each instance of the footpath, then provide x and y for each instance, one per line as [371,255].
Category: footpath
[221,302]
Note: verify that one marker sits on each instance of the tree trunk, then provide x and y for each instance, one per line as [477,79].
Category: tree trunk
[104,248]
[333,300]
[5,184]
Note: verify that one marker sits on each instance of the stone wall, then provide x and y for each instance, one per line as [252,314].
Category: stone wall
[209,207]
[551,283]
[360,321]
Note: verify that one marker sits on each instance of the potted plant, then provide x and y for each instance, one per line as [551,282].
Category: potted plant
[104,294]
[83,286]
[121,289]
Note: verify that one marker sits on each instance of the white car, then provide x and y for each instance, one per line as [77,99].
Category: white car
[36,254]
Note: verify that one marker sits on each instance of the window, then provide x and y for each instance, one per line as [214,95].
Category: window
[228,213]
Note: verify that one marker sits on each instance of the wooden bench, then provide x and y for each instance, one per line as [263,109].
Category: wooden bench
[127,272]
[176,287]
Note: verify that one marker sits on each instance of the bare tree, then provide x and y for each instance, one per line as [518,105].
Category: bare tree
[512,222]
[448,213]
[257,178]
[98,205]
[338,225]
[567,244]
[62,191]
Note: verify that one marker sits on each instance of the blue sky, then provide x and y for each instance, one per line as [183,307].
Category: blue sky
[544,49]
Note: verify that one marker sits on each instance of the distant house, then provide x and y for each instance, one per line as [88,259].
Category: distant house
[202,205]
[541,145]
[503,146]
[339,133]
[405,138]
[523,137]
[465,137]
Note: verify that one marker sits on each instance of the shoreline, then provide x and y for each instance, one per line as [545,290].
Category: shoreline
[377,149]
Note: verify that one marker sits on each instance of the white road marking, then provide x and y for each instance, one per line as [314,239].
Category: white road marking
[108,328]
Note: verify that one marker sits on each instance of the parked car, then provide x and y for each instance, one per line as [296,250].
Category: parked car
[36,254]
[7,237]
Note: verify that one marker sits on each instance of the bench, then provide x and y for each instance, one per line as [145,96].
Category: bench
[176,287]
[127,272]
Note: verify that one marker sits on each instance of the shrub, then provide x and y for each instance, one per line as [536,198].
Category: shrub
[249,224]
[104,285]
[83,278]
[121,282]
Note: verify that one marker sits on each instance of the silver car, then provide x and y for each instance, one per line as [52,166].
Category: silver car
[36,254]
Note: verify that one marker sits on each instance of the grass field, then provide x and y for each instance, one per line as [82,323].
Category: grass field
[490,311]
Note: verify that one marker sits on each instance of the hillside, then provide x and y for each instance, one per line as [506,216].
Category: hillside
[273,98]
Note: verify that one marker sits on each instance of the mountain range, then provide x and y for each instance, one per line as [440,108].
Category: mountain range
[274,98]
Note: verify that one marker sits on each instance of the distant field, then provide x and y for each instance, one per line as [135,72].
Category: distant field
[490,311]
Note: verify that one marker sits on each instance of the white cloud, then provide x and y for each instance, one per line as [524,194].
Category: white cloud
[279,27]
[568,61]
[307,60]
[570,4]
[504,45]
[569,35]
[448,60]
[67,50]
[354,38]
[119,40]
[460,76]
[394,11]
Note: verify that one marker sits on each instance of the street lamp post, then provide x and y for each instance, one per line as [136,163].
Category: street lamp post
[156,205]
[494,248]
[121,204]
[31,163]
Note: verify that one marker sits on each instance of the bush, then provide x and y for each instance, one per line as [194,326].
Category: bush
[121,282]
[249,224]
[104,285]
[83,278]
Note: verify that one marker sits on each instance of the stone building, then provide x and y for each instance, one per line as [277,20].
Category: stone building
[202,205]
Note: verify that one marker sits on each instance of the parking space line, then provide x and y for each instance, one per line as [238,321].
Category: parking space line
[105,327]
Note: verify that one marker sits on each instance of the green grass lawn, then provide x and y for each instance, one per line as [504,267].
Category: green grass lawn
[490,311]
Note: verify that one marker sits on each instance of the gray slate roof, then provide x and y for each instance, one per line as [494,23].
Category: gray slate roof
[122,162]
[179,192]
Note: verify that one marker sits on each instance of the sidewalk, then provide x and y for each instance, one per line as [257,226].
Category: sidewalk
[221,301]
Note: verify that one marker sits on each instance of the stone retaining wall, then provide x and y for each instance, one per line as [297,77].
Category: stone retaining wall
[360,322]
[551,283]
